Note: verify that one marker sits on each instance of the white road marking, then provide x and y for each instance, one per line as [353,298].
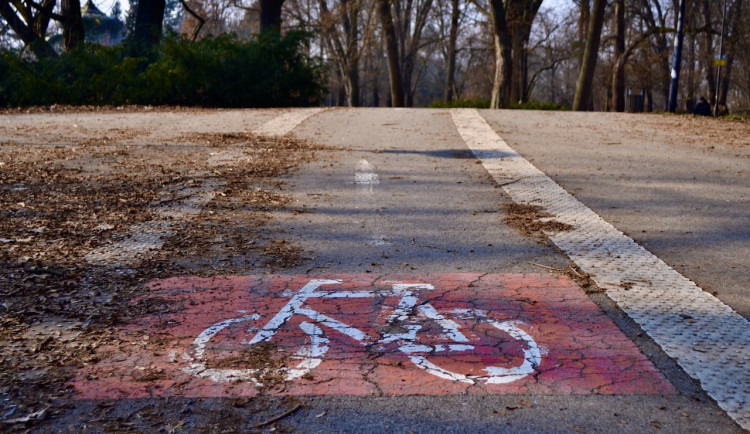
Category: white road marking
[286,122]
[365,174]
[186,202]
[532,357]
[311,356]
[366,179]
[707,338]
[145,238]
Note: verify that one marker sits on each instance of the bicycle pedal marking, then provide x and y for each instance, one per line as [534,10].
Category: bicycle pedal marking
[364,334]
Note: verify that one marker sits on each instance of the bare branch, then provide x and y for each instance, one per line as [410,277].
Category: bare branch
[192,13]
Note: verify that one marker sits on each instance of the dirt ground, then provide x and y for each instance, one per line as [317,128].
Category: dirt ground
[69,188]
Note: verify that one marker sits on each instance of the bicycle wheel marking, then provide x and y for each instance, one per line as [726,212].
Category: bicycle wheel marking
[362,335]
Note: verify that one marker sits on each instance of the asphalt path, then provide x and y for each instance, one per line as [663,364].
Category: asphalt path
[435,210]
[686,201]
[397,192]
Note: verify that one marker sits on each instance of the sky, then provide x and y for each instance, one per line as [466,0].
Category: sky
[106,5]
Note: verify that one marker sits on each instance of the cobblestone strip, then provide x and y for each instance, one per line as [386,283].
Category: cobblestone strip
[184,202]
[707,338]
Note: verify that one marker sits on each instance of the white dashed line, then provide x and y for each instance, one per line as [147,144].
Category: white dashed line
[185,202]
[707,338]
[145,238]
[366,179]
[285,122]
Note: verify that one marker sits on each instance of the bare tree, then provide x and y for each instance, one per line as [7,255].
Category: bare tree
[270,15]
[391,52]
[72,23]
[341,32]
[583,100]
[500,96]
[736,30]
[148,21]
[410,19]
[550,49]
[520,15]
[29,22]
[449,41]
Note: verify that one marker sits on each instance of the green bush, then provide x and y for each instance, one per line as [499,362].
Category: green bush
[223,71]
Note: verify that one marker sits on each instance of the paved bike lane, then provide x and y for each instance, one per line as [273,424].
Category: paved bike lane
[401,200]
[461,333]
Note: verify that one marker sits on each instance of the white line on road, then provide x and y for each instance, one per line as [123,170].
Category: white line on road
[185,202]
[285,122]
[148,237]
[366,179]
[365,175]
[707,338]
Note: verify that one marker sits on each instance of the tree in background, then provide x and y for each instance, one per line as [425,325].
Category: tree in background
[451,49]
[520,16]
[72,23]
[392,54]
[481,52]
[500,97]
[340,29]
[583,100]
[30,22]
[270,15]
[149,19]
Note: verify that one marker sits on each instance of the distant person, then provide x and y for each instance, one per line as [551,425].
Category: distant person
[702,108]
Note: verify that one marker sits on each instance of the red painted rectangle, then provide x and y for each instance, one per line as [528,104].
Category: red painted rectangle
[361,334]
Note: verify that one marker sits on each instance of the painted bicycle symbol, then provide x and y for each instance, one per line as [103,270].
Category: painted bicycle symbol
[431,340]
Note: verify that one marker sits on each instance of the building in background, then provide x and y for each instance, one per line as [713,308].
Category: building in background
[101,28]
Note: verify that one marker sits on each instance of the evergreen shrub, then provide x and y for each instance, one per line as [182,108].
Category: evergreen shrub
[223,71]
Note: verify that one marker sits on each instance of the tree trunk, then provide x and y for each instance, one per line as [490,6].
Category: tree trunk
[148,21]
[391,53]
[341,96]
[708,51]
[690,72]
[519,52]
[519,16]
[270,16]
[618,76]
[503,61]
[42,18]
[735,28]
[450,78]
[72,27]
[584,91]
[351,14]
[583,25]
[410,19]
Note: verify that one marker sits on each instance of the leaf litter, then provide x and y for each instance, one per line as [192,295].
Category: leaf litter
[61,196]
[531,220]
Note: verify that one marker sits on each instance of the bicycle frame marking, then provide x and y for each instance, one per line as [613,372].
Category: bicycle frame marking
[313,355]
